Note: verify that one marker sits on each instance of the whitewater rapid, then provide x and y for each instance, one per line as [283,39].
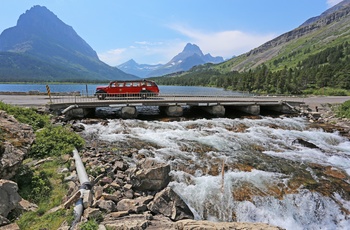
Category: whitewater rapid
[260,158]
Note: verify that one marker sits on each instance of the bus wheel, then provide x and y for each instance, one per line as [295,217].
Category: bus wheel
[101,96]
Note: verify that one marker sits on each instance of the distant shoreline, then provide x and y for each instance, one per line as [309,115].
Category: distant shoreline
[36,92]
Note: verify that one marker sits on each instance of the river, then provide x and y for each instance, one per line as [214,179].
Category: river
[280,171]
[269,175]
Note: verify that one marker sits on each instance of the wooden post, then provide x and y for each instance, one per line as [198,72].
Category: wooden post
[48,92]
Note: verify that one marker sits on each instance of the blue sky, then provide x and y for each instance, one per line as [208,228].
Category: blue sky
[154,31]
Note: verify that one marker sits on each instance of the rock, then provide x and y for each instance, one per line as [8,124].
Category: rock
[92,213]
[114,197]
[107,205]
[137,205]
[78,127]
[168,203]
[305,143]
[19,138]
[115,215]
[120,165]
[151,176]
[87,198]
[192,224]
[25,205]
[3,221]
[9,199]
[136,222]
[12,226]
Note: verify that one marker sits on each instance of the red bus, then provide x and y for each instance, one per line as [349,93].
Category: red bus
[136,88]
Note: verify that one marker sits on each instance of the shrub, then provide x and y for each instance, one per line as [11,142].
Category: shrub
[89,225]
[344,110]
[327,92]
[55,141]
[26,115]
[33,186]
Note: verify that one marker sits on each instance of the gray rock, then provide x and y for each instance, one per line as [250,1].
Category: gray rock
[137,205]
[18,139]
[107,205]
[9,198]
[168,203]
[151,176]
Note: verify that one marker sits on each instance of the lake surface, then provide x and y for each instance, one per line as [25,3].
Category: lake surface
[82,88]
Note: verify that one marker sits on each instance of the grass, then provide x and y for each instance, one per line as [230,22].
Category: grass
[42,185]
[344,110]
[41,219]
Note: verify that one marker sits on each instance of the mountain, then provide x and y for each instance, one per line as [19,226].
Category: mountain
[140,70]
[40,40]
[317,33]
[190,56]
[314,58]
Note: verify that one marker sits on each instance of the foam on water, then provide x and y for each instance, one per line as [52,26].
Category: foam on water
[230,140]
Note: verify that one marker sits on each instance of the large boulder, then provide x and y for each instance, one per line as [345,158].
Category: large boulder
[138,205]
[151,175]
[15,141]
[192,224]
[169,204]
[9,199]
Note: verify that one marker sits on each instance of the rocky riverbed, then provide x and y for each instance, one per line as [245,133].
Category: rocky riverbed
[130,189]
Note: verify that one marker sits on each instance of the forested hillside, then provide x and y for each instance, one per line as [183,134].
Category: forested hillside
[328,68]
[312,58]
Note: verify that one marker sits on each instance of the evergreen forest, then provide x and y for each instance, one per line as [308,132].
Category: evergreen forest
[327,72]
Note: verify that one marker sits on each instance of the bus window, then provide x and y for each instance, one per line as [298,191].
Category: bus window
[121,84]
[127,84]
[136,84]
[149,84]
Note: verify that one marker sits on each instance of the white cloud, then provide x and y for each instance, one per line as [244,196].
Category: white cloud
[113,56]
[331,3]
[143,52]
[224,43]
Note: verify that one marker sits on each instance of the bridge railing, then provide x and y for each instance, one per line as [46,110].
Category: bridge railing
[76,97]
[85,96]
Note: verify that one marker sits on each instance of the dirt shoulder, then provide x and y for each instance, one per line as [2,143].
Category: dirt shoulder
[324,101]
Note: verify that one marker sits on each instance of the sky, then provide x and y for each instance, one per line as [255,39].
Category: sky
[154,31]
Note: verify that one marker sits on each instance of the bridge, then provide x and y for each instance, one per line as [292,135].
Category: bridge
[173,105]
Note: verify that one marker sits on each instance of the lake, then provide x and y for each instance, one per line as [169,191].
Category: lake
[82,88]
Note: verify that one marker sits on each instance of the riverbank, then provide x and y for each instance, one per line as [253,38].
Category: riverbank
[111,161]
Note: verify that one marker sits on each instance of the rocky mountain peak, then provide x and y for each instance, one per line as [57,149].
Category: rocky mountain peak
[39,31]
[41,41]
[193,49]
[34,16]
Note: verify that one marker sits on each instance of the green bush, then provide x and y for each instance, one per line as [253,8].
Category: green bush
[89,225]
[34,187]
[55,141]
[327,92]
[344,110]
[26,115]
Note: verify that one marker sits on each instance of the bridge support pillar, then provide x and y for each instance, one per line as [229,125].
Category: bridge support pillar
[128,112]
[217,110]
[283,108]
[80,112]
[173,110]
[251,109]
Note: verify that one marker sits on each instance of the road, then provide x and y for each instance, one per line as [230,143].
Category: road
[42,100]
[26,100]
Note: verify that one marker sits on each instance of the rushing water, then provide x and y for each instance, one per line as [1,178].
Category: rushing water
[246,170]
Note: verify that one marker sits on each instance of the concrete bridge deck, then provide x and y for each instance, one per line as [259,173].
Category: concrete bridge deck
[173,105]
